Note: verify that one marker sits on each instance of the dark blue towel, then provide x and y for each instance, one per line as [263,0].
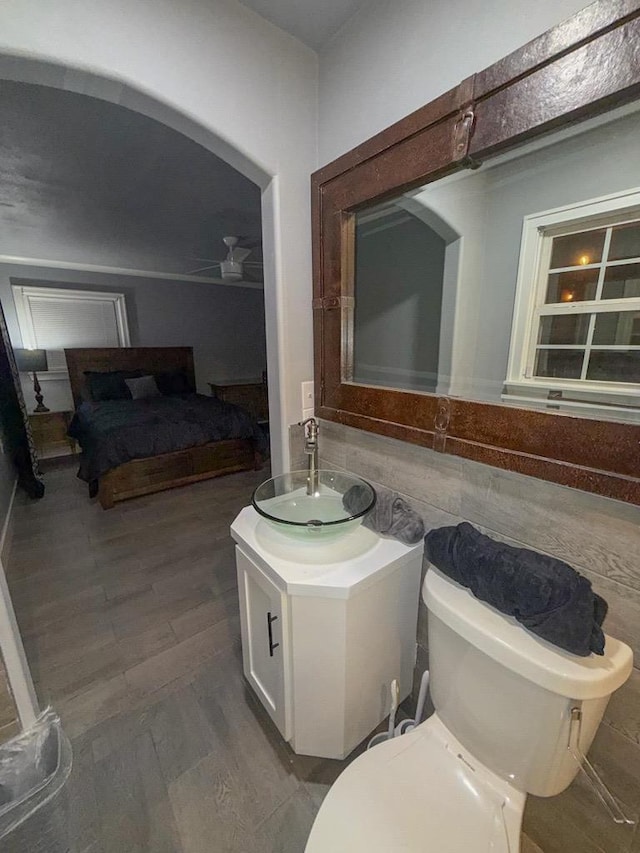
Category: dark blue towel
[545,595]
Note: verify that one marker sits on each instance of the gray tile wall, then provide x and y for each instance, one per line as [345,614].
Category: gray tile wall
[600,537]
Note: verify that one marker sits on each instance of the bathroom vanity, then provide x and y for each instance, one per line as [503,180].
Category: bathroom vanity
[327,623]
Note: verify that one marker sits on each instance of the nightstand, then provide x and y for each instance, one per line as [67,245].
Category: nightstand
[251,395]
[50,433]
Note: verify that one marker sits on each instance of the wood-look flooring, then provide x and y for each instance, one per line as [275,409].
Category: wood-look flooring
[130,624]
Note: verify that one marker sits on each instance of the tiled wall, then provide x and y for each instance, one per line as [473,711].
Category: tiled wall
[600,537]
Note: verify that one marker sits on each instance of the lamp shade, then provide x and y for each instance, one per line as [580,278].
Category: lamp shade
[31,360]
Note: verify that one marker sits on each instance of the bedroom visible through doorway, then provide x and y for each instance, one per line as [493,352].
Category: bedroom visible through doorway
[105,203]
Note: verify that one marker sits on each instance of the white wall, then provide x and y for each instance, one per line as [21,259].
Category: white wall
[393,56]
[223,75]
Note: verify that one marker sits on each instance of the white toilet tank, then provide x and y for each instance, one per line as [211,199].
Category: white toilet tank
[507,695]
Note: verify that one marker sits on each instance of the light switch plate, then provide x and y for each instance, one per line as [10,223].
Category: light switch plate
[307,399]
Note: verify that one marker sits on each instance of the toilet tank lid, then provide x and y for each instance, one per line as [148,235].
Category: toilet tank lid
[502,638]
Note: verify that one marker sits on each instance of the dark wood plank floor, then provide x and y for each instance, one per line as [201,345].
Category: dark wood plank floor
[130,624]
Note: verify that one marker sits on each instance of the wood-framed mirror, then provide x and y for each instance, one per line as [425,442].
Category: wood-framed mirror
[477,265]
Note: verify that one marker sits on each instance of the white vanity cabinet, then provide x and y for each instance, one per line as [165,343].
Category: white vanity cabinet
[326,625]
[264,619]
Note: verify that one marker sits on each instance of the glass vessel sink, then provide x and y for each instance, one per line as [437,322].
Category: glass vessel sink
[337,506]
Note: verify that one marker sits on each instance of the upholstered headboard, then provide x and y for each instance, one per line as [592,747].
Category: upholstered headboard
[147,359]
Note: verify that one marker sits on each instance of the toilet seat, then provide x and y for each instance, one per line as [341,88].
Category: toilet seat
[419,793]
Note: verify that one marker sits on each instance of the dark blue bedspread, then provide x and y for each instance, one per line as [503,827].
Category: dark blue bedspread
[116,431]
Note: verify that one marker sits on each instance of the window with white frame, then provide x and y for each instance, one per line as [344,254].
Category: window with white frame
[54,319]
[576,328]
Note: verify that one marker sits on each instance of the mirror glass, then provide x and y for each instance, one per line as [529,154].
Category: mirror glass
[516,283]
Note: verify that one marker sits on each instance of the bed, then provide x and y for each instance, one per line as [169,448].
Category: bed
[136,447]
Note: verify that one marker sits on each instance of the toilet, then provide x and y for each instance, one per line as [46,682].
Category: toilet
[507,706]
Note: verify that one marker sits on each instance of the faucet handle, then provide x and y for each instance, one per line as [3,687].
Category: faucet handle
[312,432]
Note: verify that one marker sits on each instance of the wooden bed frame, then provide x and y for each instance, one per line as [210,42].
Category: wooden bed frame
[156,473]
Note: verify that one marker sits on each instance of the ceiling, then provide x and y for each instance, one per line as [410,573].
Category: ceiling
[86,181]
[311,21]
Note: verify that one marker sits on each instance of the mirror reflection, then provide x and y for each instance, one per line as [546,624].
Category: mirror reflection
[515,283]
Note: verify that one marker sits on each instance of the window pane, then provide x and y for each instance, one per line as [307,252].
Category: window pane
[617,366]
[576,250]
[625,242]
[619,327]
[560,364]
[622,282]
[564,329]
[575,286]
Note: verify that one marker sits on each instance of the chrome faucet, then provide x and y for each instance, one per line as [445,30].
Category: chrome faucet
[311,449]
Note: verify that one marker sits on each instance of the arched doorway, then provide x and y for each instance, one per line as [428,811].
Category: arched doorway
[88,83]
[81,82]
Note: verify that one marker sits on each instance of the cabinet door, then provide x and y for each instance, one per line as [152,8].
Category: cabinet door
[265,644]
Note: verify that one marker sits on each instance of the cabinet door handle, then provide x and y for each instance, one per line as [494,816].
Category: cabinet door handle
[270,620]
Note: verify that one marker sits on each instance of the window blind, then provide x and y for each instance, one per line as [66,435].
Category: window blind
[58,319]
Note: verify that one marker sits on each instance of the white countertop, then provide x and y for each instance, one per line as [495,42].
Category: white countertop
[316,566]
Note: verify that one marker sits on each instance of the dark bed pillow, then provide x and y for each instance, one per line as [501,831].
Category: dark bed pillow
[173,382]
[109,385]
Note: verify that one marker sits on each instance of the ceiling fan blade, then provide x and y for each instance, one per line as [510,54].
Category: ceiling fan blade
[204,269]
[253,264]
[239,254]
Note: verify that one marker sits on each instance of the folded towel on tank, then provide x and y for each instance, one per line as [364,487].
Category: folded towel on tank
[391,515]
[547,596]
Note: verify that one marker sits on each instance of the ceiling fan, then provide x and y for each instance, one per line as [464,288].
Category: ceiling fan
[231,267]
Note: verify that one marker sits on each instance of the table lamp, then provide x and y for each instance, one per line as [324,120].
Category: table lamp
[30,361]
